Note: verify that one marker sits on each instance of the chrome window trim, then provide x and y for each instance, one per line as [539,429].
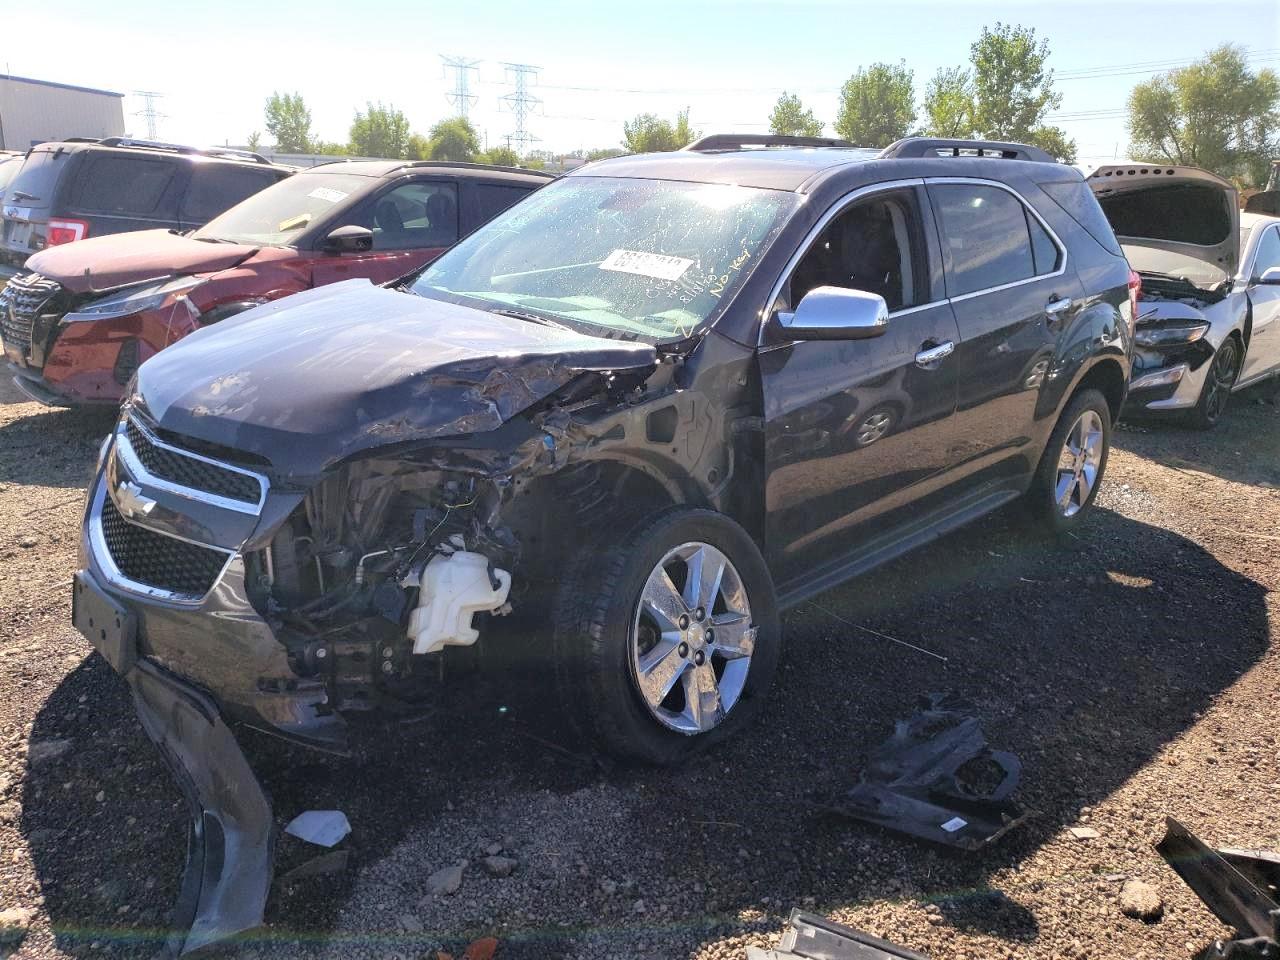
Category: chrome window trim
[1057,241]
[112,574]
[139,471]
[816,230]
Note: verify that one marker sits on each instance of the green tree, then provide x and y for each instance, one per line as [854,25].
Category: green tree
[1215,113]
[1013,89]
[289,122]
[454,139]
[790,118]
[501,156]
[602,153]
[325,148]
[380,131]
[253,141]
[948,103]
[877,105]
[648,133]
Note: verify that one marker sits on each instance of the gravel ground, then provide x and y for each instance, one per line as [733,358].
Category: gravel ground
[1130,667]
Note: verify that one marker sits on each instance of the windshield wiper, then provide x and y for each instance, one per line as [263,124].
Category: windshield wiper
[21,195]
[530,317]
[214,240]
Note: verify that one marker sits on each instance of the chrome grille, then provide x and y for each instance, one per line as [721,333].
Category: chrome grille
[21,301]
[158,561]
[191,470]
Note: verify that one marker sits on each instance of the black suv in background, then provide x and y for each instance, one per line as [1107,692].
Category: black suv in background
[641,410]
[70,190]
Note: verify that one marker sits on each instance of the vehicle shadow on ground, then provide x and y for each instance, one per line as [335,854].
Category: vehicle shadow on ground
[1244,447]
[53,447]
[1085,656]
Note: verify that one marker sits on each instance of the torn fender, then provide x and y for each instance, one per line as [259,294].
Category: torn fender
[229,854]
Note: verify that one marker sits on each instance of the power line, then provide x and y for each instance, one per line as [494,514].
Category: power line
[149,112]
[521,102]
[461,96]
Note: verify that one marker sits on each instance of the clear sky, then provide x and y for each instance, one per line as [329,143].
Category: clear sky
[601,62]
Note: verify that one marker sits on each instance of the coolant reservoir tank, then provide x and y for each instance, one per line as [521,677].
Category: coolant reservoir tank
[454,588]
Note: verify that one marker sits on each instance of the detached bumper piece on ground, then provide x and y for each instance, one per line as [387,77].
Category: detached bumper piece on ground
[1239,886]
[815,938]
[229,853]
[935,778]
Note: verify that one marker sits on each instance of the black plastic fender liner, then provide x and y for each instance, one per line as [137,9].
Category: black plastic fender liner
[229,853]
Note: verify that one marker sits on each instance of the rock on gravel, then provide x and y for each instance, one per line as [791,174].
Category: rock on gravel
[14,924]
[499,866]
[445,882]
[1141,902]
[41,751]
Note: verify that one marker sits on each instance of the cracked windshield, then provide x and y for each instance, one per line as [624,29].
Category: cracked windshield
[691,480]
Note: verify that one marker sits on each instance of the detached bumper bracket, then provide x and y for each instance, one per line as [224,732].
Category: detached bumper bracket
[229,853]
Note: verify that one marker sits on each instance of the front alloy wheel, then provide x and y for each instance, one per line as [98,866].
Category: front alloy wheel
[692,638]
[1218,384]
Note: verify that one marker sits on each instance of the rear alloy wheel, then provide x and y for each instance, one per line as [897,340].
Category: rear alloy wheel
[1218,384]
[667,640]
[1071,468]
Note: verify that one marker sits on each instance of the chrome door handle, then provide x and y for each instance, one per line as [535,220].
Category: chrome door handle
[927,358]
[1055,307]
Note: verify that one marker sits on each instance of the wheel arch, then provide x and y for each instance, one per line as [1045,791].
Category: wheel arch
[1108,377]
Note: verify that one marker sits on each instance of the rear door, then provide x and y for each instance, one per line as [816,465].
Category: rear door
[1014,294]
[1263,355]
[122,191]
[413,221]
[857,430]
[215,187]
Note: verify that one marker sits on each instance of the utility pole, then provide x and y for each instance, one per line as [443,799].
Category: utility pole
[521,102]
[149,112]
[461,96]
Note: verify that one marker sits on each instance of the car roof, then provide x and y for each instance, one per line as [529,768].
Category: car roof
[389,168]
[150,149]
[803,170]
[1250,220]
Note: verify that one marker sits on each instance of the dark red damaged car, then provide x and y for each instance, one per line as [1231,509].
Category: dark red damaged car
[76,324]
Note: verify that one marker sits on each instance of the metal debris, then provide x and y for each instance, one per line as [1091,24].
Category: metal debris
[815,938]
[935,778]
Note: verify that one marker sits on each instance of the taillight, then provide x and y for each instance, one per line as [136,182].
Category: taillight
[1135,288]
[65,231]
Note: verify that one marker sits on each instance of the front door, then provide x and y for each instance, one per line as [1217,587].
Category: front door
[413,222]
[855,427]
[1263,355]
[1014,295]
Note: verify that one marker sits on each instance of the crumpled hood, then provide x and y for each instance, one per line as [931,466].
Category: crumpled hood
[316,377]
[122,258]
[1180,221]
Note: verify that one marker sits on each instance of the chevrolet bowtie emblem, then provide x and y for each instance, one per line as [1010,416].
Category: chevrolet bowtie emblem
[131,502]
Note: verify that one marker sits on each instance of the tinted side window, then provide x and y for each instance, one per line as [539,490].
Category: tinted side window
[216,187]
[984,232]
[875,246]
[1079,203]
[1043,249]
[1268,254]
[492,199]
[37,178]
[131,186]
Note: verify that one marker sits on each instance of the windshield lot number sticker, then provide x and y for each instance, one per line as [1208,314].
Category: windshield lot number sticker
[646,264]
[324,193]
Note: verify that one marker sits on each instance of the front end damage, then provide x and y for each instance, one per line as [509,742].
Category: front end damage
[294,584]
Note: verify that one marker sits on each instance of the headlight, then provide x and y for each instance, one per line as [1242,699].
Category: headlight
[134,300]
[1168,336]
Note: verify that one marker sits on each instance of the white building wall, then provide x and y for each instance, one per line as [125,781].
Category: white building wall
[33,112]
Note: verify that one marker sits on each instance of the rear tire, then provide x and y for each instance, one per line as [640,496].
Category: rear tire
[1224,370]
[643,679]
[1071,468]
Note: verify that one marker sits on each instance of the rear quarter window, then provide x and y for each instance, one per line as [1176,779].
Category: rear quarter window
[216,187]
[1078,202]
[126,186]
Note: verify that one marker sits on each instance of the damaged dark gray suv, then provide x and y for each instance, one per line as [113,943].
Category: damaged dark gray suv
[622,425]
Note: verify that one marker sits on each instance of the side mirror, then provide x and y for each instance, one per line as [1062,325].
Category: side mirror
[1270,277]
[349,239]
[836,313]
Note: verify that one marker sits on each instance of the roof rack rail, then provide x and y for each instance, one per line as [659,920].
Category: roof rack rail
[179,148]
[737,141]
[938,146]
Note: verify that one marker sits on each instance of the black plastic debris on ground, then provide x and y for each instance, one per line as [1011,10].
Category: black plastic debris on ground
[812,937]
[936,779]
[1239,886]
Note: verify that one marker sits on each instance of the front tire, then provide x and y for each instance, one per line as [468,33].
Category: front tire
[667,641]
[1224,369]
[1070,471]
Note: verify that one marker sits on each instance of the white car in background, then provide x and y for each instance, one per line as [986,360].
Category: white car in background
[1209,310]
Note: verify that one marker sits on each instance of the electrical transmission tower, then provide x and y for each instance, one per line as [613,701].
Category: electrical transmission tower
[461,97]
[149,111]
[521,102]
